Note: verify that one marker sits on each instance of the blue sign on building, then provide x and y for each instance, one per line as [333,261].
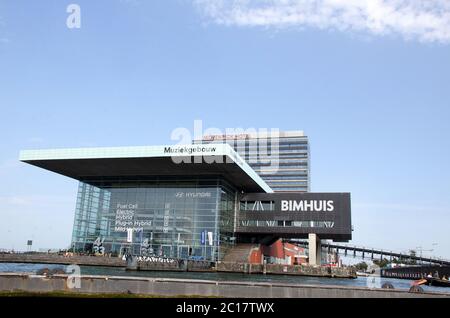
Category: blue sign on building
[203,237]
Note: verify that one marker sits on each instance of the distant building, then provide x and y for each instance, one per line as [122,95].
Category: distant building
[285,253]
[281,159]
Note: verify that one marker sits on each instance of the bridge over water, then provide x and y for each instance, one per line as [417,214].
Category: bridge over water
[374,253]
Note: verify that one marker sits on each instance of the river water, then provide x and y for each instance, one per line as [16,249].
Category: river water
[110,271]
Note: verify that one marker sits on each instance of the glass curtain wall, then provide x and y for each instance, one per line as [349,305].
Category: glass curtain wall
[174,218]
[282,162]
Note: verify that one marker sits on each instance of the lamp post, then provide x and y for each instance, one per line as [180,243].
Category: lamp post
[421,253]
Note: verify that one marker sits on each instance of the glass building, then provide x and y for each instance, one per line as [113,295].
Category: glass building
[195,201]
[165,201]
[282,159]
[165,217]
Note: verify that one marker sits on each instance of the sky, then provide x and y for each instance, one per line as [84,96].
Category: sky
[368,82]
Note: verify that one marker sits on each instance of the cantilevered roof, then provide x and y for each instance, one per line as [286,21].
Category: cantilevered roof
[181,160]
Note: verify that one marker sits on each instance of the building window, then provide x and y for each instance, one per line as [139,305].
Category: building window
[257,205]
[283,223]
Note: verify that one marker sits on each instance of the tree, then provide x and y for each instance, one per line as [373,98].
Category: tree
[381,263]
[361,266]
[412,253]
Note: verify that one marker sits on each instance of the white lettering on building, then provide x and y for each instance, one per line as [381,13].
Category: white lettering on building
[307,206]
[126,219]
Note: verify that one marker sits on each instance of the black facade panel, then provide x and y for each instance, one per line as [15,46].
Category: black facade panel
[298,217]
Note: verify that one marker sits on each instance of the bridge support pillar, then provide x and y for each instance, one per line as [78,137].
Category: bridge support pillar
[315,250]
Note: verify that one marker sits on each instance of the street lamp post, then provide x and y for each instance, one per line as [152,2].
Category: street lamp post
[422,250]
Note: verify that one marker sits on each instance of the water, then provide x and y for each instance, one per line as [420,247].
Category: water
[109,271]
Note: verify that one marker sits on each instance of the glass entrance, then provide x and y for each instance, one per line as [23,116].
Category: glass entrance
[183,251]
[166,250]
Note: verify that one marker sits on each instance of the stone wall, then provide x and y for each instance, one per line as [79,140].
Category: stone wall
[62,260]
[192,266]
[182,287]
[300,270]
[245,268]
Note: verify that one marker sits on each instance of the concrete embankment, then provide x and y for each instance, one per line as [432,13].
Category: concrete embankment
[300,270]
[183,287]
[189,266]
[62,260]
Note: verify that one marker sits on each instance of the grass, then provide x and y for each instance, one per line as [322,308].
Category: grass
[62,294]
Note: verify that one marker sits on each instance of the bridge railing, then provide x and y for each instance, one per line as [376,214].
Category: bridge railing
[381,252]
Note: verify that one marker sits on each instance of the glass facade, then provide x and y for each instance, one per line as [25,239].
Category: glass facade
[283,162]
[165,217]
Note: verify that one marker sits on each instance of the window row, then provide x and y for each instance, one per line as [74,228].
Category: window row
[299,224]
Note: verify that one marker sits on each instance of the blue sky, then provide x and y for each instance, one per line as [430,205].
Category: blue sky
[369,85]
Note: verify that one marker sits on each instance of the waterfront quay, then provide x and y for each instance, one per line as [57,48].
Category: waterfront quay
[37,258]
[185,266]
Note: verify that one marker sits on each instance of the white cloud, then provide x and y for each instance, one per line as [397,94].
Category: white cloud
[422,20]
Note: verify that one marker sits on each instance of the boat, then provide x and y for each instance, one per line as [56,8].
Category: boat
[420,282]
[436,282]
[362,274]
